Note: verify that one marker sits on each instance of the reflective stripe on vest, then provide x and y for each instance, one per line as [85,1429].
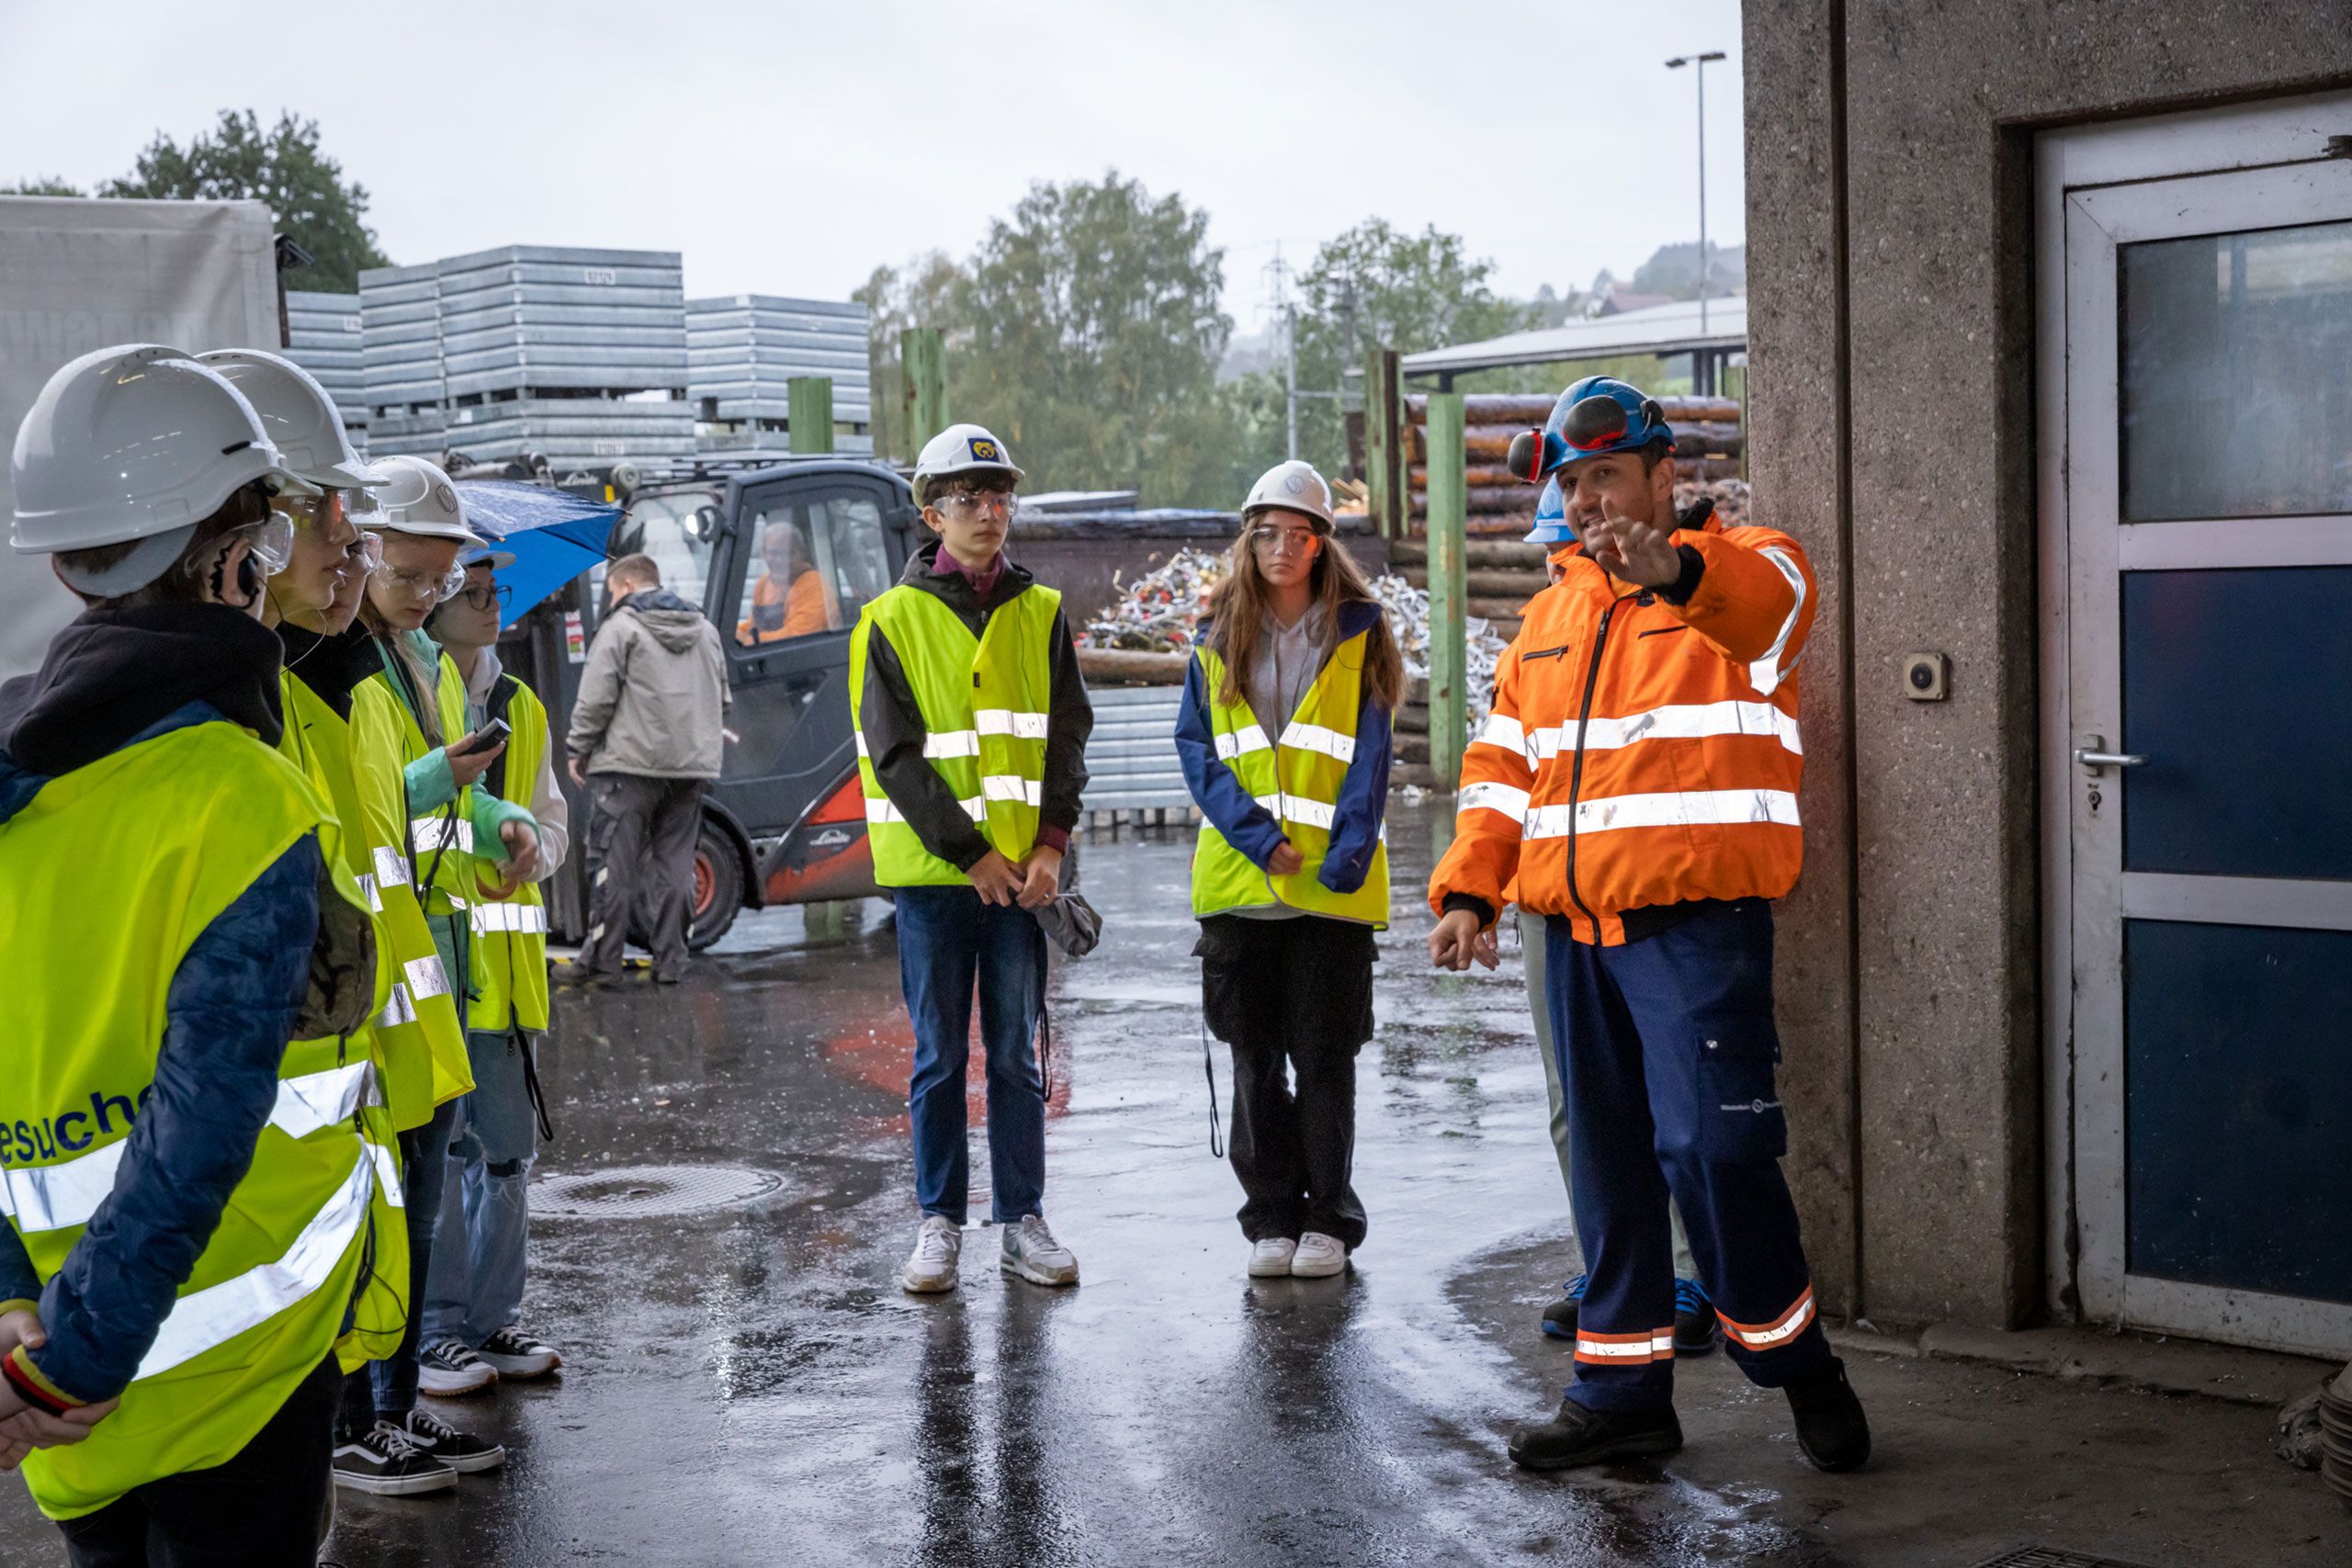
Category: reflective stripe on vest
[156,841]
[1297,780]
[510,954]
[984,703]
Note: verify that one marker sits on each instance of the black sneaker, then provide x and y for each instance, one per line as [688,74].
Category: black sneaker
[517,1356]
[1831,1427]
[1577,1436]
[462,1451]
[1694,1319]
[384,1463]
[1560,1317]
[448,1368]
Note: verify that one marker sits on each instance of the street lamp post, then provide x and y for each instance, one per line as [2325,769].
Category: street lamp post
[1699,60]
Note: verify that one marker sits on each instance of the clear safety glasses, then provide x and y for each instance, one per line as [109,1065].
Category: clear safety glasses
[966,505]
[1271,541]
[418,583]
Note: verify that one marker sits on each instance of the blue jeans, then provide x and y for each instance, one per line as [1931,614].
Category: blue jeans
[1668,1048]
[949,939]
[476,1284]
[425,1156]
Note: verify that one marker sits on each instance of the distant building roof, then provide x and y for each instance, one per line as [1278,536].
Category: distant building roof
[1662,329]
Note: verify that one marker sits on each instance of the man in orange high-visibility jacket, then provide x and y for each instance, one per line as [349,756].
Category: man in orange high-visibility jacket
[1636,784]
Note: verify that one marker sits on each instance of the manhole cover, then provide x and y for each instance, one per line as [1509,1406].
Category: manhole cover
[638,1191]
[2052,1557]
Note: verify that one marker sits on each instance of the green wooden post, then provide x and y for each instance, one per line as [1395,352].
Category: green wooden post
[1383,460]
[922,372]
[1449,633]
[809,413]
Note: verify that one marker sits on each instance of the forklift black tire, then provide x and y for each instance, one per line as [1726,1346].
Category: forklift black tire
[717,891]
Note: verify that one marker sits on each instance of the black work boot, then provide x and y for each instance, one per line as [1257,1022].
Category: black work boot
[1831,1428]
[1577,1436]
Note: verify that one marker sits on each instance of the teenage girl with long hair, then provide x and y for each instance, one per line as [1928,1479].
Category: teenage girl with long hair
[1286,741]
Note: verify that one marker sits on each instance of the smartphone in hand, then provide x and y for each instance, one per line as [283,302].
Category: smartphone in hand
[494,733]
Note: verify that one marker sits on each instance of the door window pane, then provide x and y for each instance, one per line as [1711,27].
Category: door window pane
[2235,687]
[676,530]
[2239,1107]
[2237,374]
[816,560]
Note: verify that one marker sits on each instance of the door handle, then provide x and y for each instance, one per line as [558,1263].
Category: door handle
[2090,755]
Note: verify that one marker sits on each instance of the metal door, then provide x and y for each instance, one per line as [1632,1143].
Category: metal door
[2198,510]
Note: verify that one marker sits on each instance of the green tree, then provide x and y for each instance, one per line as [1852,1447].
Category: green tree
[1088,333]
[282,167]
[1377,283]
[47,184]
[925,293]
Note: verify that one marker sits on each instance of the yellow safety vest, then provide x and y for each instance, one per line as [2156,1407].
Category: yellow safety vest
[510,965]
[422,1005]
[985,702]
[106,879]
[317,741]
[1297,776]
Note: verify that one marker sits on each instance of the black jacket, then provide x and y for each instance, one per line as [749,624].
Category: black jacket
[891,720]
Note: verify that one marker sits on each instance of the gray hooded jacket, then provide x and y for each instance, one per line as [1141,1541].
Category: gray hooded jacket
[654,699]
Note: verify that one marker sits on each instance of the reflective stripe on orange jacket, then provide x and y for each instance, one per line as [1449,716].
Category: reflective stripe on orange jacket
[1642,753]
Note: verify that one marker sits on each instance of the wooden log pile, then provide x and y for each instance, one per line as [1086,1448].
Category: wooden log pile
[1708,442]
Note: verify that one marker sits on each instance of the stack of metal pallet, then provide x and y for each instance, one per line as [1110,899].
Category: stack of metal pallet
[576,355]
[742,348]
[324,333]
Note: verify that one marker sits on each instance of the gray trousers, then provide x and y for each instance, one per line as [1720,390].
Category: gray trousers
[1530,946]
[643,837]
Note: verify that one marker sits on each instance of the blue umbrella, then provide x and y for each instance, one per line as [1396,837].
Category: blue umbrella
[553,535]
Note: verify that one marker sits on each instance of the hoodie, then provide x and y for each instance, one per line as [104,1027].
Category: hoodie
[115,678]
[653,698]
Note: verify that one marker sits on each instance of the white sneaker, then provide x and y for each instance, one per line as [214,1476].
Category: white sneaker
[932,1267]
[1270,1259]
[1318,1256]
[1031,1251]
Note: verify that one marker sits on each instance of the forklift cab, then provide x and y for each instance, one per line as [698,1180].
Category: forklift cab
[781,558]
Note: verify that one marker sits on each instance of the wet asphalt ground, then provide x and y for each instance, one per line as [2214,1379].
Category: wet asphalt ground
[746,1384]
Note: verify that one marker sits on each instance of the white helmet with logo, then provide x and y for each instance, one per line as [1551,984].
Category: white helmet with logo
[961,449]
[1293,486]
[418,499]
[137,442]
[301,417]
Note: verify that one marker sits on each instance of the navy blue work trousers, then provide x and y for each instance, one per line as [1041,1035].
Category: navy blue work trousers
[951,940]
[1668,1049]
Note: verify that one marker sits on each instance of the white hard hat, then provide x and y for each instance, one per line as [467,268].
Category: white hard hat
[301,417]
[1293,486]
[137,442]
[962,449]
[486,555]
[418,499]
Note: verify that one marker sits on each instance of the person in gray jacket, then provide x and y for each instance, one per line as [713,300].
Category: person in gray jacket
[648,735]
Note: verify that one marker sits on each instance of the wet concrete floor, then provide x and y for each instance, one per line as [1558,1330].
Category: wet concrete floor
[747,1384]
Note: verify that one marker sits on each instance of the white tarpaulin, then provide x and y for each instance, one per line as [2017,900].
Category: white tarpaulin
[77,276]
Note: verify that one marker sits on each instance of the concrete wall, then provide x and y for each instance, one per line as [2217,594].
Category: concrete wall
[1891,428]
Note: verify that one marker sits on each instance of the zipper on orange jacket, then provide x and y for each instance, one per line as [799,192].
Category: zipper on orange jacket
[1576,766]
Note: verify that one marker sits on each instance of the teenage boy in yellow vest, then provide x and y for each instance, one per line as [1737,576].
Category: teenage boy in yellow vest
[473,1296]
[972,722]
[188,1204]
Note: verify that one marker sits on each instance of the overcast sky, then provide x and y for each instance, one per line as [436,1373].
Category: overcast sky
[788,148]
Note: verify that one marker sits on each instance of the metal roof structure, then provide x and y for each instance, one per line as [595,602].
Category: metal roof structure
[1661,329]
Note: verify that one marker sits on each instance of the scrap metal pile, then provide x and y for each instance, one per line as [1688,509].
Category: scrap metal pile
[1730,496]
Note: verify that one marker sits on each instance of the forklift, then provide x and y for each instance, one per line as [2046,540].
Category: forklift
[780,553]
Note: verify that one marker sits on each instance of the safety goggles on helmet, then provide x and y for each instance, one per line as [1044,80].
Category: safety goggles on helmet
[1597,415]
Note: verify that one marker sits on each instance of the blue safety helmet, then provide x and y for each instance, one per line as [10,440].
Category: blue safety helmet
[1551,518]
[1597,415]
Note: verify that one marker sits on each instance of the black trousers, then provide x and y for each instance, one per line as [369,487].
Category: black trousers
[267,1507]
[643,835]
[1292,998]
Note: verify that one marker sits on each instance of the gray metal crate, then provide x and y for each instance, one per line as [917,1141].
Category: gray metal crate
[1131,760]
